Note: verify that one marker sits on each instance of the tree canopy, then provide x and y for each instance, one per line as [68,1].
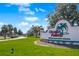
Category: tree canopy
[67,11]
[34,31]
[9,31]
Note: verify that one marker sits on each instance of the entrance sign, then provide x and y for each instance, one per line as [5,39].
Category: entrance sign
[62,31]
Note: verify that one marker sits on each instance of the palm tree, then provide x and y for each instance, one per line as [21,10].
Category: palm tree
[65,27]
[15,30]
[10,28]
[0,33]
[20,32]
[4,30]
[30,32]
[61,27]
[36,30]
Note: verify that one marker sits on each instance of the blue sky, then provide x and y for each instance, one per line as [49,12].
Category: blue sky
[24,15]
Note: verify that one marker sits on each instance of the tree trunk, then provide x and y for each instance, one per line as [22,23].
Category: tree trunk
[4,36]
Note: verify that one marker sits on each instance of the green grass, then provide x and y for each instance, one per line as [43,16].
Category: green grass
[26,47]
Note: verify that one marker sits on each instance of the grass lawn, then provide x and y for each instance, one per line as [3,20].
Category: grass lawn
[26,47]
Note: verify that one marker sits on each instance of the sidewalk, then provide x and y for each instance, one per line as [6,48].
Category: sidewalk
[40,43]
[13,39]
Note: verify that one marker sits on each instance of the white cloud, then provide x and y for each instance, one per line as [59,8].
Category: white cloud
[36,24]
[8,5]
[32,19]
[30,13]
[23,7]
[40,10]
[23,24]
[19,4]
[23,4]
[26,10]
[1,23]
[46,19]
[45,27]
[36,9]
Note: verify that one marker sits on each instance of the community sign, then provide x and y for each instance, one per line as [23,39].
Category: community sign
[63,31]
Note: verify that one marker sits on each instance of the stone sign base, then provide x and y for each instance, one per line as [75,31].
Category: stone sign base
[69,44]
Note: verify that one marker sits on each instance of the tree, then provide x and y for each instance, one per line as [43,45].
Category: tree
[15,30]
[20,32]
[35,31]
[10,29]
[0,33]
[4,30]
[63,28]
[68,11]
[30,32]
